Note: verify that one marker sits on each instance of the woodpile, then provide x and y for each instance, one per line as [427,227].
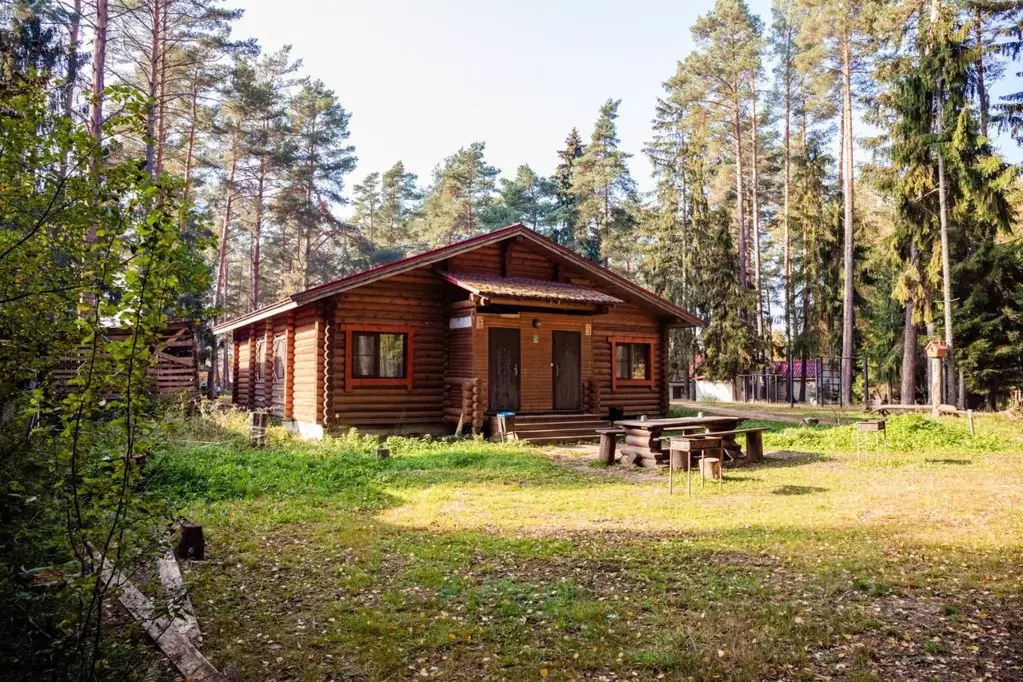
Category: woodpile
[174,370]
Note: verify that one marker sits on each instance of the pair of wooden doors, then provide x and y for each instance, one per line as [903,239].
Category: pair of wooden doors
[506,369]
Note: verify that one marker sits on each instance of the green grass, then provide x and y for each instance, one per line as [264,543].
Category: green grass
[473,560]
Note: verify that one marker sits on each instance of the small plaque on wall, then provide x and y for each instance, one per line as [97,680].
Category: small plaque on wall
[589,329]
[479,323]
[536,338]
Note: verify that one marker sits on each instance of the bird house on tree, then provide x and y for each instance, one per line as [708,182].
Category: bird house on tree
[936,349]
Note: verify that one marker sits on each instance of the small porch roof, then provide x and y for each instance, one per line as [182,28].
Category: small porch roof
[533,289]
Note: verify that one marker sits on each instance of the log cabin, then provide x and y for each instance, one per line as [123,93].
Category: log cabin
[507,332]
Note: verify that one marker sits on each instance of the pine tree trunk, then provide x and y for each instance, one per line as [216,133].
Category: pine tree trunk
[257,236]
[153,87]
[755,190]
[786,237]
[193,124]
[220,292]
[946,269]
[907,394]
[74,30]
[161,103]
[99,65]
[847,303]
[739,217]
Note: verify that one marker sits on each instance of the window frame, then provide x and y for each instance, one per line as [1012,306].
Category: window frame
[651,343]
[352,381]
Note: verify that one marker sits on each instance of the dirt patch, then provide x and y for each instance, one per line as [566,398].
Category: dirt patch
[913,637]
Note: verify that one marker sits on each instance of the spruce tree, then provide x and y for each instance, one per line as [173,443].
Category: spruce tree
[602,185]
[566,215]
[527,198]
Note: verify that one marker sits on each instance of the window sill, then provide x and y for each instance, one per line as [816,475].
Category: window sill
[365,382]
[633,382]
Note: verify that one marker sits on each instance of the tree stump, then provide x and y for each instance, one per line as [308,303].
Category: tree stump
[383,453]
[191,543]
[606,450]
[710,467]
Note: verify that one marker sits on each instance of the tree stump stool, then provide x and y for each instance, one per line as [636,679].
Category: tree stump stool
[608,443]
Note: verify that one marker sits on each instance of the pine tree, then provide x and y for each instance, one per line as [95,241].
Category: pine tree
[462,192]
[527,198]
[399,195]
[264,90]
[320,158]
[602,185]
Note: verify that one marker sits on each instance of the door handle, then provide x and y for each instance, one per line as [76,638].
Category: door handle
[557,370]
[516,369]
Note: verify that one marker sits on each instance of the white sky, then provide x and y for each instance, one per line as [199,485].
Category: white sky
[422,79]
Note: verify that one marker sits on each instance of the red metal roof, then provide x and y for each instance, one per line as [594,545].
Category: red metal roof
[445,252]
[520,287]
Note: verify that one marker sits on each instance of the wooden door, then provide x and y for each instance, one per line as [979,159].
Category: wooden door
[505,366]
[567,370]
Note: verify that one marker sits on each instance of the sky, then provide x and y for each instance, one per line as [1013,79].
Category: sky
[423,78]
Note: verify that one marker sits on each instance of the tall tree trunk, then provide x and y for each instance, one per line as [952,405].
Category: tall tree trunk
[946,268]
[220,292]
[755,191]
[257,236]
[847,302]
[153,86]
[740,218]
[982,103]
[99,66]
[192,125]
[786,237]
[161,103]
[909,350]
[74,30]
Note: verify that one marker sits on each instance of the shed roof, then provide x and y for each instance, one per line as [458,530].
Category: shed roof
[520,287]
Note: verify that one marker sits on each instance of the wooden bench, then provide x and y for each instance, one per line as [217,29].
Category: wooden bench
[754,441]
[608,442]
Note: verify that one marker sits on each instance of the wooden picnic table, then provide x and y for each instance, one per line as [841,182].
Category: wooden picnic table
[643,436]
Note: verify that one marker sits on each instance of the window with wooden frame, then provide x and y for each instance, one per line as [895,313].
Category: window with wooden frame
[378,355]
[632,361]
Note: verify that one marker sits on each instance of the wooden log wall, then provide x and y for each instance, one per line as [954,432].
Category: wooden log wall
[413,299]
[307,365]
[244,349]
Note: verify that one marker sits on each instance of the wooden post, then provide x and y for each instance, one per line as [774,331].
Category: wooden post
[754,446]
[936,351]
[969,420]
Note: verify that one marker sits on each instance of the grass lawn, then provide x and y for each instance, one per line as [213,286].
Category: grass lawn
[478,561]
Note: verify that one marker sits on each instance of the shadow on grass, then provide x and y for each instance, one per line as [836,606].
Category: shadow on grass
[220,465]
[798,490]
[949,460]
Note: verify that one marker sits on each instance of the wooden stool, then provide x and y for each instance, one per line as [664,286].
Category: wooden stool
[682,451]
[608,443]
[875,426]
